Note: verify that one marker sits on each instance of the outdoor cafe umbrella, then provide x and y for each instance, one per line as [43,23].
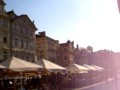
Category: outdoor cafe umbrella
[20,65]
[90,67]
[76,68]
[98,67]
[17,64]
[49,65]
[2,67]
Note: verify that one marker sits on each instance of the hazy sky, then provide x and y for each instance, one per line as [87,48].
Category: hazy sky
[86,22]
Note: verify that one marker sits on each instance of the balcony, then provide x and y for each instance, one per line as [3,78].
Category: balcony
[15,49]
[32,52]
[5,46]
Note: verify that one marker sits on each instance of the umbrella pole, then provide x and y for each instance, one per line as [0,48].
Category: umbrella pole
[21,79]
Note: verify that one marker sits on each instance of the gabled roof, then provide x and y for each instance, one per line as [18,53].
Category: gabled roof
[11,14]
[27,18]
[15,17]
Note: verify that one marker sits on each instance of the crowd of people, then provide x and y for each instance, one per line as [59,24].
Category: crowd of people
[56,81]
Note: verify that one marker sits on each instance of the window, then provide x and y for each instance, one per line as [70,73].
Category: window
[41,55]
[16,55]
[65,49]
[31,46]
[26,32]
[26,44]
[1,8]
[0,36]
[22,29]
[16,42]
[0,39]
[22,44]
[0,21]
[65,58]
[5,55]
[5,22]
[14,27]
[0,55]
[5,39]
[27,58]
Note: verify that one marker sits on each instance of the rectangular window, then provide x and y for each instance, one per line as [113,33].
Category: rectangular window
[0,36]
[31,46]
[22,29]
[16,55]
[26,32]
[65,57]
[5,55]
[26,44]
[0,21]
[4,39]
[0,39]
[16,42]
[5,23]
[0,54]
[22,45]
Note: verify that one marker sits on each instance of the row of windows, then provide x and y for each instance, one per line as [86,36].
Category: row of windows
[4,22]
[51,54]
[23,44]
[22,30]
[3,55]
[28,58]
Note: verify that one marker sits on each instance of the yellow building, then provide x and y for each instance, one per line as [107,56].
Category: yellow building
[4,33]
[47,48]
[66,53]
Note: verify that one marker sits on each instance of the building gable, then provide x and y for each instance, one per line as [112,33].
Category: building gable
[25,20]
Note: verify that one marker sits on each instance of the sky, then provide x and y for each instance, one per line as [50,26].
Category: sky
[86,22]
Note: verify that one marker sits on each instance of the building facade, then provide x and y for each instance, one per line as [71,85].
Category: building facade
[4,33]
[83,55]
[22,37]
[17,35]
[66,53]
[47,48]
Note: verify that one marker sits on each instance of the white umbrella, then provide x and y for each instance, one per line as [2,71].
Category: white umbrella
[98,67]
[49,65]
[76,68]
[2,67]
[17,64]
[90,67]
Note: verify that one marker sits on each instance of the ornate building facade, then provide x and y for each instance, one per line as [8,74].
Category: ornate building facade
[66,53]
[83,55]
[17,35]
[47,48]
[4,33]
[23,36]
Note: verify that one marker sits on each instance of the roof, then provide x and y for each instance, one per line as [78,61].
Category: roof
[2,2]
[14,17]
[25,16]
